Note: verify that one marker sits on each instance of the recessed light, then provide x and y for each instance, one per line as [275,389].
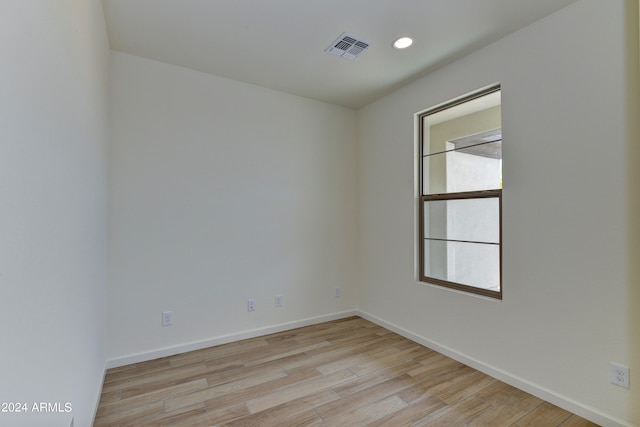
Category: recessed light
[402,43]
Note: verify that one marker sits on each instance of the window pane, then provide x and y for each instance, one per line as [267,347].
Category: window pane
[456,171]
[471,118]
[476,220]
[471,264]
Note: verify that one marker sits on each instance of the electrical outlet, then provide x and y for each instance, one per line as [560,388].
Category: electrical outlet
[620,375]
[251,304]
[278,300]
[167,318]
[336,292]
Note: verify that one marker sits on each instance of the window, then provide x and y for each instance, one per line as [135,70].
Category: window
[460,197]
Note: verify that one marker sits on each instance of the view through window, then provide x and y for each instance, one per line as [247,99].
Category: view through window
[460,206]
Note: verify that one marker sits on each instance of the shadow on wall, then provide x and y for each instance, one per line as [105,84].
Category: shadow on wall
[632,14]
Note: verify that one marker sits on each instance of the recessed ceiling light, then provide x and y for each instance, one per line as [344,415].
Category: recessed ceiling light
[402,43]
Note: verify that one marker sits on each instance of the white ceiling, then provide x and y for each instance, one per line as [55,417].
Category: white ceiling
[280,44]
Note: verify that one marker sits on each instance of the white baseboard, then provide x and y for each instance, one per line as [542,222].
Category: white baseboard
[210,342]
[99,394]
[568,404]
[564,402]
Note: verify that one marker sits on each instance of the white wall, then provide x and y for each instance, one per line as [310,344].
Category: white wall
[566,204]
[633,208]
[53,191]
[222,191]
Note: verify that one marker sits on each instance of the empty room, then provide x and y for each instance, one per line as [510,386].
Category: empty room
[320,213]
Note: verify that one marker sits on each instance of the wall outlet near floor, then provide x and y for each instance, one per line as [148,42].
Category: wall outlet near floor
[336,292]
[278,300]
[251,304]
[167,318]
[620,375]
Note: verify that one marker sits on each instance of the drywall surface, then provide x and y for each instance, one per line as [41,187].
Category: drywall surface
[222,191]
[53,226]
[566,310]
[632,26]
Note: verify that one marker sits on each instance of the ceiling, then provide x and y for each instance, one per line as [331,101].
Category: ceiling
[280,44]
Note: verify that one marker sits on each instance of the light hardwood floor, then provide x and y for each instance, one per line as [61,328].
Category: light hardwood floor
[347,372]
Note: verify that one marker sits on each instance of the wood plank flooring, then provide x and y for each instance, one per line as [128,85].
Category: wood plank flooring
[348,372]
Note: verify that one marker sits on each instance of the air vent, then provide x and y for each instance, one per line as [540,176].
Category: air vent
[347,46]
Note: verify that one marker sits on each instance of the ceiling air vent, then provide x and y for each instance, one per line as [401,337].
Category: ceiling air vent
[347,46]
